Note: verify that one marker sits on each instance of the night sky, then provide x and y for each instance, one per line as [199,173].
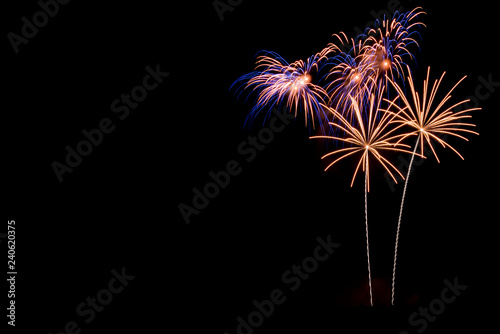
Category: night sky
[142,91]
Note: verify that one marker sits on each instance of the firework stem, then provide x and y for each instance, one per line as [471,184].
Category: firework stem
[399,220]
[366,228]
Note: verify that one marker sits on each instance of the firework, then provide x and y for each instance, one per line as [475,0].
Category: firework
[390,43]
[427,120]
[373,134]
[280,84]
[351,76]
[372,57]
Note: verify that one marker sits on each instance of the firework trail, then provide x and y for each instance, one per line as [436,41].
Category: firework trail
[366,235]
[427,125]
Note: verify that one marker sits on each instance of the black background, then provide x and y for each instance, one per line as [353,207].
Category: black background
[119,207]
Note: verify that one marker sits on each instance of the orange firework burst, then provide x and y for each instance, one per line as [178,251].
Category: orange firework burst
[427,124]
[371,134]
